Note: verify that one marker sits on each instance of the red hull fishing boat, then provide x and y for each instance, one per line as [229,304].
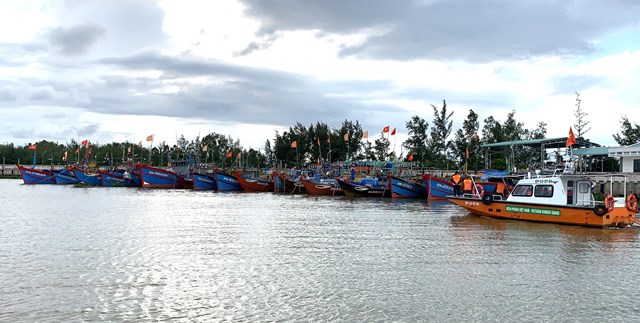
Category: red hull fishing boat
[253,184]
[325,187]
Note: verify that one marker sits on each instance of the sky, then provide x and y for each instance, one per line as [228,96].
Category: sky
[122,70]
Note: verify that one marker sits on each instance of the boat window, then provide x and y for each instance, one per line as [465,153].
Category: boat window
[584,188]
[544,191]
[522,190]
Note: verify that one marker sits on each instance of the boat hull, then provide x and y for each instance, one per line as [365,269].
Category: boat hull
[326,189]
[560,214]
[36,176]
[253,184]
[204,182]
[284,184]
[154,177]
[438,188]
[226,182]
[87,178]
[401,188]
[64,177]
[358,190]
[112,179]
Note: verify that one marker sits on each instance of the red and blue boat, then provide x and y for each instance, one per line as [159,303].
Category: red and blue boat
[203,181]
[156,177]
[36,176]
[283,183]
[438,188]
[65,176]
[87,177]
[226,182]
[405,188]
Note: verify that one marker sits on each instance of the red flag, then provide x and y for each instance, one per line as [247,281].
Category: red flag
[329,139]
[393,132]
[65,155]
[294,144]
[467,153]
[32,147]
[150,138]
[346,136]
[365,135]
[78,150]
[229,154]
[410,157]
[318,139]
[571,140]
[84,142]
[385,129]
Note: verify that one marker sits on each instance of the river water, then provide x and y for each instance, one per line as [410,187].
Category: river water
[122,254]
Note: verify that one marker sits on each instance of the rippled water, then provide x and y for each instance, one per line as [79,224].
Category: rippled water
[118,254]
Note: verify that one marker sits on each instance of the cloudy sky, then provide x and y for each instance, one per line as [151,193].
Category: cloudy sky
[121,70]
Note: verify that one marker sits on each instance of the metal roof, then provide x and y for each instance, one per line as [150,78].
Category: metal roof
[545,142]
[591,151]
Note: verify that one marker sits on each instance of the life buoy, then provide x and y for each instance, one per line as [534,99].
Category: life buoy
[479,190]
[487,199]
[631,202]
[609,202]
[600,210]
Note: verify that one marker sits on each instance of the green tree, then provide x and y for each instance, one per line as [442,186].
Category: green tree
[418,140]
[629,135]
[440,147]
[582,124]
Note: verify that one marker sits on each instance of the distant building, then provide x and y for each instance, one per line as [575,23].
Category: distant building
[629,157]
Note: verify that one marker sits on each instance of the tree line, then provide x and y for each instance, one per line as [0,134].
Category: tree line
[434,145]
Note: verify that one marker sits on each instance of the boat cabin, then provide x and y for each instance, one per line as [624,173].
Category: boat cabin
[556,190]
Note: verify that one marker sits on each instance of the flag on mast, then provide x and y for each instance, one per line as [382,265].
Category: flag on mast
[393,132]
[150,137]
[365,135]
[385,129]
[294,144]
[571,140]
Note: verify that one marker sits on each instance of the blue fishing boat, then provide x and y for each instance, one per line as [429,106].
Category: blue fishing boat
[155,177]
[226,182]
[203,182]
[85,177]
[65,176]
[36,176]
[438,188]
[113,179]
[404,188]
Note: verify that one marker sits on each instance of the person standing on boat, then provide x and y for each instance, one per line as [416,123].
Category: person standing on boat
[466,185]
[500,189]
[456,179]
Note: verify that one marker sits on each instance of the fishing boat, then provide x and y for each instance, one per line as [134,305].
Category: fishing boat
[113,179]
[36,176]
[87,177]
[328,187]
[283,183]
[558,198]
[366,187]
[405,188]
[438,188]
[202,182]
[156,177]
[226,182]
[177,175]
[253,184]
[64,176]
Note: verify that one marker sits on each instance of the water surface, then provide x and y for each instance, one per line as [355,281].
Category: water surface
[121,254]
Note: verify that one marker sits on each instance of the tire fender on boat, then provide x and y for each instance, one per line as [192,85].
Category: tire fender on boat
[600,210]
[487,199]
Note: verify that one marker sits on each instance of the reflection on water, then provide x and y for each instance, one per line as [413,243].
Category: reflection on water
[117,254]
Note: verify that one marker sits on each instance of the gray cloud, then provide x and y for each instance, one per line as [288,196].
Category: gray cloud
[470,30]
[76,40]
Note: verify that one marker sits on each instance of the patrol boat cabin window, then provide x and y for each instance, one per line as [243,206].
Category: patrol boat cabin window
[543,191]
[522,190]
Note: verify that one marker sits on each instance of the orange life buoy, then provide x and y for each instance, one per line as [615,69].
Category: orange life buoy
[479,190]
[631,202]
[609,202]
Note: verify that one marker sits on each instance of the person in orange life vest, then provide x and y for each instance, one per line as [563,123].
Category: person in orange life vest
[500,189]
[456,179]
[466,185]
